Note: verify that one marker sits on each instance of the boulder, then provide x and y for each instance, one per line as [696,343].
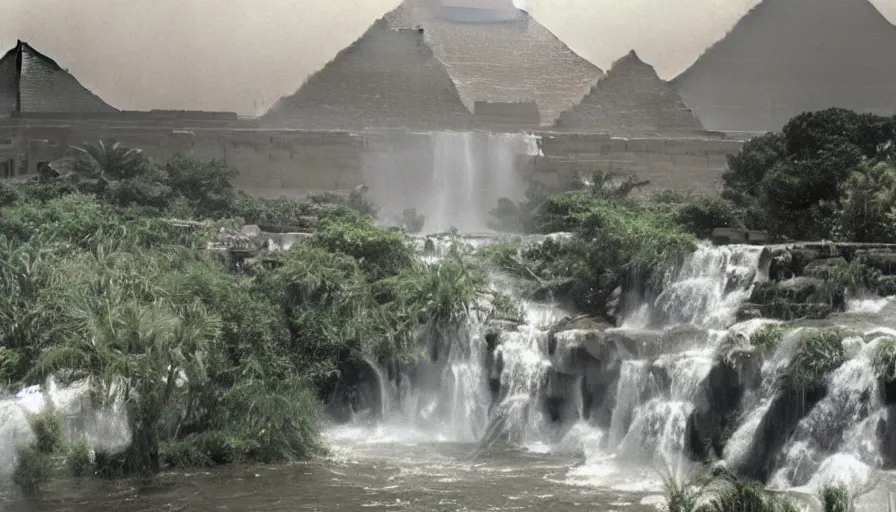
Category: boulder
[354,390]
[748,311]
[559,397]
[636,343]
[786,410]
[583,322]
[781,265]
[251,230]
[599,390]
[881,259]
[716,405]
[886,432]
[683,337]
[571,350]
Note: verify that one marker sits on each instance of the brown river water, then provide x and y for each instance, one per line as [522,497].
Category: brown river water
[401,477]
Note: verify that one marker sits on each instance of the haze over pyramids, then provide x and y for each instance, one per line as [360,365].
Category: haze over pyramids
[786,62]
[499,68]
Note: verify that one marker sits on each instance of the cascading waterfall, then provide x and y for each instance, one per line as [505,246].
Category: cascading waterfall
[836,440]
[649,422]
[638,399]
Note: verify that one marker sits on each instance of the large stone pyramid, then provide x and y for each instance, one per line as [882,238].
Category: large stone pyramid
[31,82]
[631,100]
[790,56]
[500,54]
[387,79]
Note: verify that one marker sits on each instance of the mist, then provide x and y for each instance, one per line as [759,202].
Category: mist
[242,55]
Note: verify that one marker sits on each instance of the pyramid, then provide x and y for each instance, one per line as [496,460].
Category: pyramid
[31,82]
[387,79]
[514,60]
[631,100]
[790,56]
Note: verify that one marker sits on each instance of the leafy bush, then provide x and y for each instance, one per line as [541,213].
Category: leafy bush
[867,213]
[836,499]
[885,360]
[618,244]
[33,469]
[814,178]
[380,253]
[697,215]
[767,337]
[78,459]
[820,351]
[48,434]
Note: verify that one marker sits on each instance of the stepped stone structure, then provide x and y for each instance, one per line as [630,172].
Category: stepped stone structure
[495,62]
[507,56]
[631,100]
[387,79]
[31,82]
[790,56]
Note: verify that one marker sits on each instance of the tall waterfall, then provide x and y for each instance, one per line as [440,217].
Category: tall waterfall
[452,178]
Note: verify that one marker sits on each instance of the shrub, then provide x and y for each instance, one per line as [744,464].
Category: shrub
[884,361]
[836,499]
[767,337]
[379,252]
[49,438]
[78,459]
[820,352]
[697,215]
[33,469]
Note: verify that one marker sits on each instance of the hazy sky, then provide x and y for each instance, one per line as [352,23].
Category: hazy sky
[232,54]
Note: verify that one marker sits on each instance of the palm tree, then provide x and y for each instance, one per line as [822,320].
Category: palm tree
[122,175]
[133,351]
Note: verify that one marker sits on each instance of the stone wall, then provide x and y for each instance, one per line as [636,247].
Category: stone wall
[292,162]
[689,165]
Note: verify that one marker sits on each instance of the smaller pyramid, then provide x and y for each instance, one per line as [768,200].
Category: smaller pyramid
[387,79]
[631,100]
[31,82]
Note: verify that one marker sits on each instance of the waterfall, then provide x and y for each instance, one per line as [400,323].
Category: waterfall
[839,432]
[101,429]
[453,179]
[647,394]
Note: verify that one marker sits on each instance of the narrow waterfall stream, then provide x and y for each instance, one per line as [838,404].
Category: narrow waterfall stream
[529,417]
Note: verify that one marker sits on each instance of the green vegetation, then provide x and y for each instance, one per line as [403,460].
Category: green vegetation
[768,337]
[717,490]
[820,351]
[214,362]
[837,499]
[616,243]
[826,175]
[36,461]
[884,361]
